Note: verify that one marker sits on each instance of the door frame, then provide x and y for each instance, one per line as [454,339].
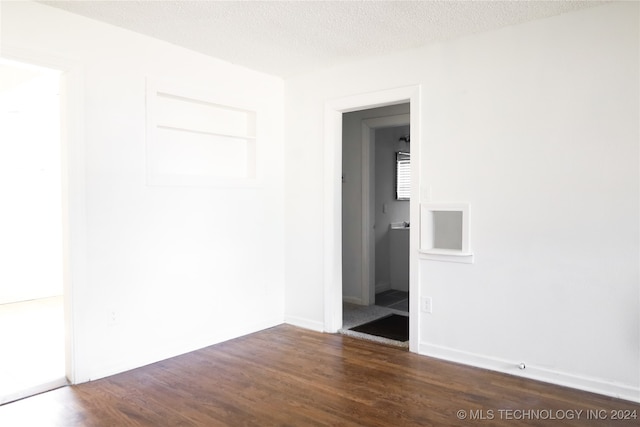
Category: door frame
[369,126]
[73,201]
[332,214]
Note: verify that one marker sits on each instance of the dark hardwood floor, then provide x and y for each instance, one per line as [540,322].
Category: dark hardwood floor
[287,376]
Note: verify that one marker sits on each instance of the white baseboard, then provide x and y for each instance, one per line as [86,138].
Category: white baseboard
[352,300]
[593,385]
[304,323]
[177,348]
[382,286]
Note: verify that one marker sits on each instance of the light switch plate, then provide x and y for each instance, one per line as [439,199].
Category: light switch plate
[426,306]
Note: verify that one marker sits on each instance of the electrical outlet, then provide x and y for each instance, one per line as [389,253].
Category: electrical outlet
[426,305]
[112,317]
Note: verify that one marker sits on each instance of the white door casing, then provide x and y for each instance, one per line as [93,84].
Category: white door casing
[332,214]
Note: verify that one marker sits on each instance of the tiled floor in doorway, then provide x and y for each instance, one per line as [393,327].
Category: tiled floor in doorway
[387,302]
[397,300]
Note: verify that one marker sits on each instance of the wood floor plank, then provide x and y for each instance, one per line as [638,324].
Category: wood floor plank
[287,376]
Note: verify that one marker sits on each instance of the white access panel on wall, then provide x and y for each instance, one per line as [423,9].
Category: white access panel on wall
[444,232]
[194,139]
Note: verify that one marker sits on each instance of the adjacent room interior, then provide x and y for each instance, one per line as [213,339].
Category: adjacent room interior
[221,174]
[376,223]
[31,224]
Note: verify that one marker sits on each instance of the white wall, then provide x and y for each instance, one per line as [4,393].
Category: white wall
[396,210]
[168,269]
[536,126]
[352,196]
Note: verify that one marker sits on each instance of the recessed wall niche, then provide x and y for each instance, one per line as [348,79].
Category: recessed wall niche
[444,232]
[194,139]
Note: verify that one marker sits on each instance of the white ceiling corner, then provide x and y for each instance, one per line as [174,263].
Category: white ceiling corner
[289,37]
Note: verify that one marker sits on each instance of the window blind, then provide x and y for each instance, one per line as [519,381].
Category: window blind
[403,176]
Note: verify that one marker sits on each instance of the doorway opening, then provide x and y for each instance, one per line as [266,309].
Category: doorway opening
[32,321]
[352,278]
[376,224]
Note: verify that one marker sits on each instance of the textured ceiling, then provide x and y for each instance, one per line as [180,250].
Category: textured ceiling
[289,37]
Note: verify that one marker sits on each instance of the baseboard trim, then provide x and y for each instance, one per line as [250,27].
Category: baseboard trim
[382,286]
[178,349]
[593,385]
[352,300]
[304,323]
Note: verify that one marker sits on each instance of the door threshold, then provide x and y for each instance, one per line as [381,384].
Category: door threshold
[373,338]
[32,391]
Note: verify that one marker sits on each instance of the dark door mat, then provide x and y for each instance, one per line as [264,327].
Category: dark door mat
[394,327]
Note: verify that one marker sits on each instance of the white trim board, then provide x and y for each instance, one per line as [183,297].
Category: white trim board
[304,323]
[593,385]
[353,300]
